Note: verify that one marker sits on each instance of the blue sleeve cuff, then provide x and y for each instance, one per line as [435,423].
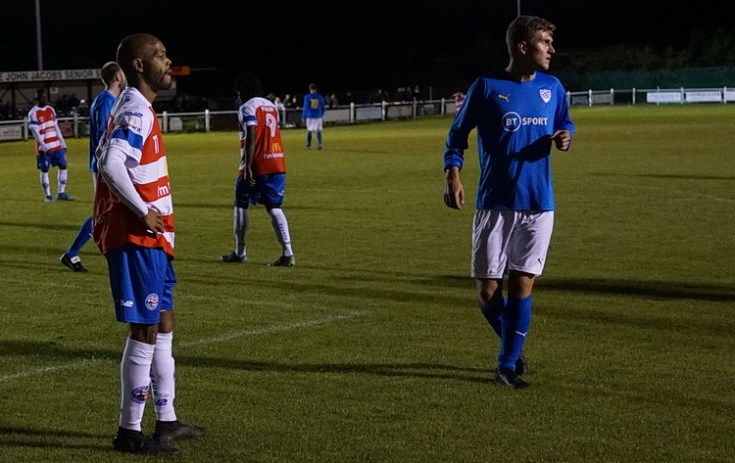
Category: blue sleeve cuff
[453,158]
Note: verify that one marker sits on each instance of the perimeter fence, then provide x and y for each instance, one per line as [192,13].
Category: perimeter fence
[205,121]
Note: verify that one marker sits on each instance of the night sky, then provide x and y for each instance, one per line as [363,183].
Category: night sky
[348,45]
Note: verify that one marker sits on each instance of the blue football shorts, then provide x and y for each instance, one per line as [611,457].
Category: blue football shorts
[268,191]
[55,158]
[142,282]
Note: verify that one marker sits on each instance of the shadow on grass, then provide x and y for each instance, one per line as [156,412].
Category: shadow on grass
[401,287]
[643,289]
[408,370]
[227,205]
[53,350]
[57,438]
[45,226]
[56,352]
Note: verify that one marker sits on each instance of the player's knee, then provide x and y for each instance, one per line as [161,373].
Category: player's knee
[143,333]
[166,325]
[520,284]
[487,290]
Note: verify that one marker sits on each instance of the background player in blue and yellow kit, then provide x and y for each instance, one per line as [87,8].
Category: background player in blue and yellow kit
[518,112]
[313,114]
[114,79]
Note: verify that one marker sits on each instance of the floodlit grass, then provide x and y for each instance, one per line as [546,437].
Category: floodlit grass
[372,349]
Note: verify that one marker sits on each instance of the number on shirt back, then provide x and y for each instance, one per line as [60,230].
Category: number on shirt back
[272,123]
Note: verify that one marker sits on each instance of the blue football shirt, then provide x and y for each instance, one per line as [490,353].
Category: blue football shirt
[99,112]
[313,106]
[514,121]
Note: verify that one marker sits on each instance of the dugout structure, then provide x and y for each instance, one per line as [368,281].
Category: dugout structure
[77,87]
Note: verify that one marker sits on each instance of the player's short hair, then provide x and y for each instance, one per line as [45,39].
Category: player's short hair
[109,71]
[248,86]
[523,28]
[312,86]
[132,47]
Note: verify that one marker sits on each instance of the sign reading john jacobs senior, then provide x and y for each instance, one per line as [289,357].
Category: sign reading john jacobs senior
[42,76]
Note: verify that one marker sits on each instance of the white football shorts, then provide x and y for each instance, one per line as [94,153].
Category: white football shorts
[314,124]
[510,240]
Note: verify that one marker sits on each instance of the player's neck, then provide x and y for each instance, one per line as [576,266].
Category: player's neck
[520,73]
[146,91]
[115,90]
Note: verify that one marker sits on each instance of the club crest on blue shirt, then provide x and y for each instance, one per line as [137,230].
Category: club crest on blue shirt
[545,94]
[151,301]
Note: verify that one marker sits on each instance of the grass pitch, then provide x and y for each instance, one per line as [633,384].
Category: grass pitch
[372,348]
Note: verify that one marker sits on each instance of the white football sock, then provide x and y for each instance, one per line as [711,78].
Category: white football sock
[62,177]
[241,225]
[280,225]
[163,378]
[45,183]
[135,378]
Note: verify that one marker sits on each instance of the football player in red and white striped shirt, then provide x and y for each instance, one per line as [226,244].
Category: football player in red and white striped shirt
[134,229]
[50,146]
[261,176]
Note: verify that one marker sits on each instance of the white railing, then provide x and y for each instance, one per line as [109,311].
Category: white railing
[205,121]
[657,96]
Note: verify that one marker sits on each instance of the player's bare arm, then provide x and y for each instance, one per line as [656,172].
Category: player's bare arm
[562,139]
[250,150]
[453,191]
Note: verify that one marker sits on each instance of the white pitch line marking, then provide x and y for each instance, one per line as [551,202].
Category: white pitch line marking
[346,315]
[52,369]
[273,329]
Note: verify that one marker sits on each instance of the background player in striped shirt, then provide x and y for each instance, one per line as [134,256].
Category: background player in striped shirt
[99,112]
[134,229]
[261,177]
[518,112]
[50,146]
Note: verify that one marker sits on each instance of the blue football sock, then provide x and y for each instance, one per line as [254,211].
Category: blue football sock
[308,138]
[516,321]
[493,313]
[83,235]
[319,138]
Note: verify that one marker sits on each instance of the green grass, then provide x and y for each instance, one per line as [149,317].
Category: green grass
[372,349]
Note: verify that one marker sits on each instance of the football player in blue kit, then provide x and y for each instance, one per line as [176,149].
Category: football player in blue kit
[114,79]
[519,112]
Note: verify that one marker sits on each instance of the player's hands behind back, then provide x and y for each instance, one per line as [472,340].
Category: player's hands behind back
[153,221]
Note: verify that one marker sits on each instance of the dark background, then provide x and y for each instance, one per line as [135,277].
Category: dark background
[342,46]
